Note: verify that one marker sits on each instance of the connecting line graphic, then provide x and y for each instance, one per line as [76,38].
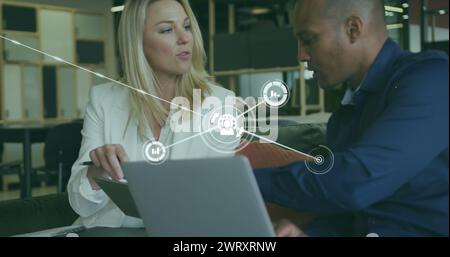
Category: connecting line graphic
[191,137]
[95,73]
[249,110]
[145,93]
[211,129]
[286,147]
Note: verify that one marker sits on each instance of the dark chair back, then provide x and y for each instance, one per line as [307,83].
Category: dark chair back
[9,167]
[61,149]
[33,214]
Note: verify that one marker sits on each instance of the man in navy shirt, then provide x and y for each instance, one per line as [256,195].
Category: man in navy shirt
[389,137]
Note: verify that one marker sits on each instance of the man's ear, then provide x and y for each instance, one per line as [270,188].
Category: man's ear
[353,28]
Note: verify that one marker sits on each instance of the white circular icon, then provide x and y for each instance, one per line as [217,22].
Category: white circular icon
[323,160]
[155,152]
[275,93]
[227,124]
[319,159]
[225,128]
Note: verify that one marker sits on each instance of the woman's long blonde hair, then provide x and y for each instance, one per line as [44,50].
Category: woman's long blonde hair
[138,73]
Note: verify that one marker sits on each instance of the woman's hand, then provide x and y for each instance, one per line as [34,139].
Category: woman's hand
[106,159]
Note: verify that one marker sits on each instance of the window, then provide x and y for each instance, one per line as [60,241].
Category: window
[90,52]
[19,18]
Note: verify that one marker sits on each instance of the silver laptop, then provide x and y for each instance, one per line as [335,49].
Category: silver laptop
[199,198]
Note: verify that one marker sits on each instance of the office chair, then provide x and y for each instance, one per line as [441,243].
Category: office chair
[9,168]
[61,151]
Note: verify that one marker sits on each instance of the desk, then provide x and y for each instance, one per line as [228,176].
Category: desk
[89,232]
[26,134]
[113,232]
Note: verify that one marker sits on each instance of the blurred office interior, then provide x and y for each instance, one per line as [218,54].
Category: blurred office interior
[247,43]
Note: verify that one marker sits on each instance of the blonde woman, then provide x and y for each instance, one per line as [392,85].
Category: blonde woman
[162,54]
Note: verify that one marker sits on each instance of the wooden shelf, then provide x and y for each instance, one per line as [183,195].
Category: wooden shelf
[232,74]
[70,15]
[253,71]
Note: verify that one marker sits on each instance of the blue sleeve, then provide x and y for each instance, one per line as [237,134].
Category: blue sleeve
[412,130]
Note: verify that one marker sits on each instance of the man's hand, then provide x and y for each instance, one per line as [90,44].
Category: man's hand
[285,228]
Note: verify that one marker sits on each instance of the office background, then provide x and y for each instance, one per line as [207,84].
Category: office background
[242,40]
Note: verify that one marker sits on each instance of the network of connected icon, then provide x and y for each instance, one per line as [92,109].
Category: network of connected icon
[225,129]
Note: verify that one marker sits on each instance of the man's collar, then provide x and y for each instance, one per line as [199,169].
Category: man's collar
[382,66]
[349,95]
